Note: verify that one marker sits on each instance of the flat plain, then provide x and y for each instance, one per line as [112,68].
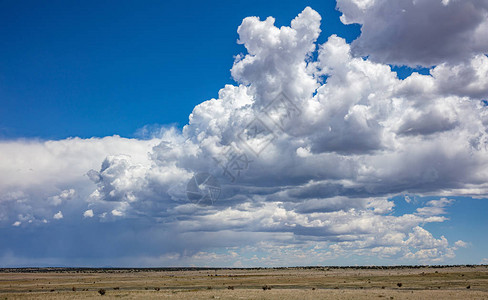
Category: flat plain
[451,282]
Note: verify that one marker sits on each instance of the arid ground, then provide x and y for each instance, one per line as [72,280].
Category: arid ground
[455,282]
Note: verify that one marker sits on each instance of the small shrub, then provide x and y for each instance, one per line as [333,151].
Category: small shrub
[230,287]
[266,287]
[73,289]
[468,287]
[116,288]
[313,289]
[156,289]
[399,284]
[101,291]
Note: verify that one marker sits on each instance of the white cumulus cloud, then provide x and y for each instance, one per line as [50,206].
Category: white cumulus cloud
[58,215]
[307,152]
[88,213]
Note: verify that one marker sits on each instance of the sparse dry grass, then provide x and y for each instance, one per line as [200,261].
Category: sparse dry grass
[292,283]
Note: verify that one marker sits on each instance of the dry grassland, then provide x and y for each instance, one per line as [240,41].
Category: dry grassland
[462,282]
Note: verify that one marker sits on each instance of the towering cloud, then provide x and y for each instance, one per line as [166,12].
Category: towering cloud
[307,152]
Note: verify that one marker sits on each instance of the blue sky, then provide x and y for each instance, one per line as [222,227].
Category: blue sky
[98,68]
[108,109]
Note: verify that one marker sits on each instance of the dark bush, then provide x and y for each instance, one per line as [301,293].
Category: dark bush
[101,291]
[399,284]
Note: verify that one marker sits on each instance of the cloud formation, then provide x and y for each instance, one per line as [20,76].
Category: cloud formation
[308,153]
[418,32]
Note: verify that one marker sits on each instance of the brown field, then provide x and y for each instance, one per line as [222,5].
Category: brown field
[457,282]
